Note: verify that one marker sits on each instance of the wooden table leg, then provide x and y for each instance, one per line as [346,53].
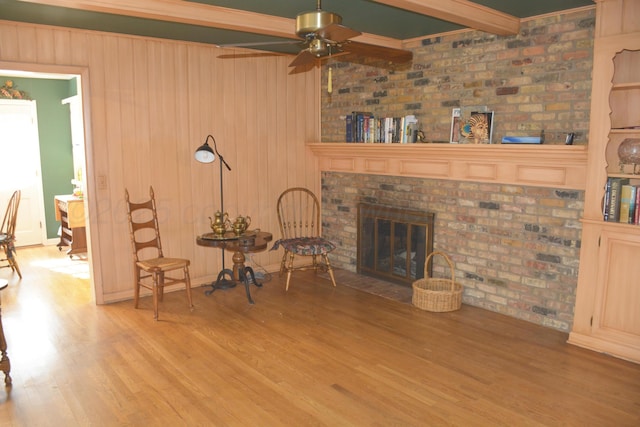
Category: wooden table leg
[5,365]
[238,265]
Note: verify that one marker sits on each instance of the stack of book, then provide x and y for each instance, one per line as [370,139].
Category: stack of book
[621,201]
[363,126]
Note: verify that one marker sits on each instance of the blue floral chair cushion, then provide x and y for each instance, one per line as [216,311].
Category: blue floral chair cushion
[305,245]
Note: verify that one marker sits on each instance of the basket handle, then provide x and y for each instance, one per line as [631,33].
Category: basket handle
[447,259]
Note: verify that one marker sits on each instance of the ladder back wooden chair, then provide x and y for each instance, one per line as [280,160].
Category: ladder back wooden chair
[8,233]
[299,218]
[149,263]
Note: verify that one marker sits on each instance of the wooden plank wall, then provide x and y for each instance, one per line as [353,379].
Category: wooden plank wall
[151,103]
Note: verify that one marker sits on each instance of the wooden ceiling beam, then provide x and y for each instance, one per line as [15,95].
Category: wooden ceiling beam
[462,12]
[185,12]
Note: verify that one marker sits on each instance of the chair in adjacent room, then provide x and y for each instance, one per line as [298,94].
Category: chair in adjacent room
[8,233]
[149,263]
[299,217]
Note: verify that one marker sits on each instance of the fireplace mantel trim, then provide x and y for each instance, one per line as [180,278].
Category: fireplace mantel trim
[556,166]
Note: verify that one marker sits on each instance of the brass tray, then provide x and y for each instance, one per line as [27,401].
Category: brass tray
[228,235]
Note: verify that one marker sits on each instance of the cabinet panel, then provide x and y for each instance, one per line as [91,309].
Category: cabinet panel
[618,289]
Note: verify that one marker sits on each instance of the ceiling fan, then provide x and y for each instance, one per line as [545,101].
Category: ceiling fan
[323,35]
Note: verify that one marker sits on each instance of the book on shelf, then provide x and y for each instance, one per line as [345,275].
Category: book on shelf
[349,128]
[627,203]
[364,127]
[355,125]
[614,186]
[606,200]
[636,210]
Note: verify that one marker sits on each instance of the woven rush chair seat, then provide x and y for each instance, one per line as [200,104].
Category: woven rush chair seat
[162,264]
[299,218]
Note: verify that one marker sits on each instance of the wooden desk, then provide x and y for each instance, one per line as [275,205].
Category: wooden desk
[70,213]
[239,246]
[5,365]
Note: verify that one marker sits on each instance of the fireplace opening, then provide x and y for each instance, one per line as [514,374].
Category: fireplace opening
[393,243]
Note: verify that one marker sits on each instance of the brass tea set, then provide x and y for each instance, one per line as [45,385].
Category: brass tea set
[220,224]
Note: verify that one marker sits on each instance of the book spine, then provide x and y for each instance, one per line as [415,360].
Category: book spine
[614,206]
[636,213]
[606,204]
[632,205]
[372,128]
[625,203]
[349,127]
[614,203]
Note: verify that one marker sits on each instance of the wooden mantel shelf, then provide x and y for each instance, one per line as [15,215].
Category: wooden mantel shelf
[557,166]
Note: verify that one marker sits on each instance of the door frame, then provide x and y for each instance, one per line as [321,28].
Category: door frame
[37,70]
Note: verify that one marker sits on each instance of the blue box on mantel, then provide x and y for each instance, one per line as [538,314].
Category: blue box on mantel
[521,140]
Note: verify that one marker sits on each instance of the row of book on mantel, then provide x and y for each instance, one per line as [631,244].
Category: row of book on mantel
[365,127]
[621,201]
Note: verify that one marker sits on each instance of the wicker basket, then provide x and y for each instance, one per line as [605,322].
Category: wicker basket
[438,295]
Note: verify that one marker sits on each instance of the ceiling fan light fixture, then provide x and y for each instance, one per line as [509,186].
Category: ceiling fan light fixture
[318,48]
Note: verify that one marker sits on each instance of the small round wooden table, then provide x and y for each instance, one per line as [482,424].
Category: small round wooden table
[5,365]
[249,242]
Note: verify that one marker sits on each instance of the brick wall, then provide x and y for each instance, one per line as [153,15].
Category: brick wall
[515,249]
[538,79]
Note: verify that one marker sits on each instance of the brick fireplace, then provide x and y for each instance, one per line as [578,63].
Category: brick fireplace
[515,247]
[508,216]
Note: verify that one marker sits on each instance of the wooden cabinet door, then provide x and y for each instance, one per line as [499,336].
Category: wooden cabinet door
[616,317]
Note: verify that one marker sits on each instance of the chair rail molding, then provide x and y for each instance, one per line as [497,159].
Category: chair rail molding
[557,166]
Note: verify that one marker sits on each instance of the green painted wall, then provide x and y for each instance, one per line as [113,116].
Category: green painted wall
[54,129]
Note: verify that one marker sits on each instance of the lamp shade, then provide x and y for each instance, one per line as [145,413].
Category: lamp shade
[204,153]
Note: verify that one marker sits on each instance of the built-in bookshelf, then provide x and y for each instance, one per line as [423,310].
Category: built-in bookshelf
[607,314]
[623,175]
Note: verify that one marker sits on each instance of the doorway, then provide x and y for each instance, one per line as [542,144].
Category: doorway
[78,109]
[20,150]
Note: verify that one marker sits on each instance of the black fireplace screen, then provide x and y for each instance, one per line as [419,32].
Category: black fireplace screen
[393,243]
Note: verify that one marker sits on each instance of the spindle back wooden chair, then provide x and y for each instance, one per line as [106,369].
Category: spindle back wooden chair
[8,233]
[300,228]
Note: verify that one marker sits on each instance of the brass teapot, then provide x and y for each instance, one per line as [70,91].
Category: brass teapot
[220,223]
[241,224]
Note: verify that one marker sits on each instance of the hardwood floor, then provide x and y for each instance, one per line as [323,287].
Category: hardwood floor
[317,355]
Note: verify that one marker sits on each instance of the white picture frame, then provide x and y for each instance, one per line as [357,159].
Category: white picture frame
[456,123]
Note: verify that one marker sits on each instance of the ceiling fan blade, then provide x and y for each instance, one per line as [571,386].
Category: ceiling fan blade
[337,33]
[380,52]
[303,58]
[304,67]
[308,66]
[249,55]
